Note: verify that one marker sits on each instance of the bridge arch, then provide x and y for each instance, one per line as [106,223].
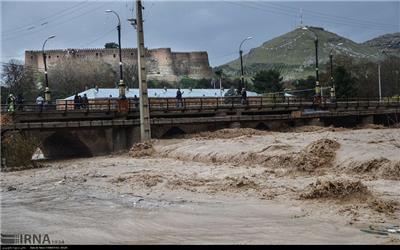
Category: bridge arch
[262,126]
[173,132]
[64,144]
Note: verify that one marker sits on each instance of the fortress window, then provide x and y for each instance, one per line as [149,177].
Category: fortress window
[49,57]
[97,54]
[31,57]
[131,54]
[114,55]
[58,56]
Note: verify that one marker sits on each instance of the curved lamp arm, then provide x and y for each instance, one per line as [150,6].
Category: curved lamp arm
[247,38]
[111,11]
[50,37]
[334,47]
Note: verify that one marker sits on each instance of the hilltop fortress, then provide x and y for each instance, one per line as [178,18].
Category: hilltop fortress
[162,63]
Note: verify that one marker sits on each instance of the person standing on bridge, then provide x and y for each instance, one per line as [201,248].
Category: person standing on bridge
[179,94]
[80,102]
[244,96]
[39,102]
[136,101]
[19,101]
[76,101]
[85,102]
[11,103]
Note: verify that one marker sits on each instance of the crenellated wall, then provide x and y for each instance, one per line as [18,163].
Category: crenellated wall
[162,63]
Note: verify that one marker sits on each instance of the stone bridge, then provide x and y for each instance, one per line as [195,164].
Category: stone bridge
[81,133]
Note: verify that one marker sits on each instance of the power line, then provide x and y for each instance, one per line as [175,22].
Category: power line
[291,13]
[41,20]
[258,8]
[59,23]
[226,55]
[355,20]
[327,18]
[98,38]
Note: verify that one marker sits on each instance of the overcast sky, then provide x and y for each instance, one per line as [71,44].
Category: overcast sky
[217,27]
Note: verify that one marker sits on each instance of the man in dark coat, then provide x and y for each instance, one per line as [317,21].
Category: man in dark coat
[179,94]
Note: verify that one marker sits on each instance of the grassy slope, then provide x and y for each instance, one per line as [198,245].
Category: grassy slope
[293,53]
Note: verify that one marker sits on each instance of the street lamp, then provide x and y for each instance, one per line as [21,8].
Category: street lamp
[121,85]
[379,76]
[241,60]
[317,87]
[333,91]
[47,96]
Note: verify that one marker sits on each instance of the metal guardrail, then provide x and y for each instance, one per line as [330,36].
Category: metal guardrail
[203,103]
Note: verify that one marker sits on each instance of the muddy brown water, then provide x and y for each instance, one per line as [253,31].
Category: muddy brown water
[79,201]
[92,216]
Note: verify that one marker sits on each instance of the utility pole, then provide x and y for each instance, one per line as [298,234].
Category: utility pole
[317,86]
[333,90]
[333,94]
[398,85]
[145,132]
[379,82]
[241,70]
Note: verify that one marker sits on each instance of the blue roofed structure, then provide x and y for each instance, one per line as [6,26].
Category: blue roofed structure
[102,93]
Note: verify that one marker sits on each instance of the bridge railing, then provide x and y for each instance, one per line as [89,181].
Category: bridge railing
[202,103]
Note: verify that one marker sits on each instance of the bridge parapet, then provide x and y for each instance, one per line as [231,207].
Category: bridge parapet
[107,109]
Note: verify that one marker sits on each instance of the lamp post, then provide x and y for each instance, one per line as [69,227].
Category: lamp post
[333,91]
[121,85]
[241,60]
[379,77]
[47,93]
[317,86]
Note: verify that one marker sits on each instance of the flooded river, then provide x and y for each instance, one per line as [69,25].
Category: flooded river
[242,190]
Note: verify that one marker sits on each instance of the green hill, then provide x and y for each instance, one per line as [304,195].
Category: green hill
[389,43]
[294,53]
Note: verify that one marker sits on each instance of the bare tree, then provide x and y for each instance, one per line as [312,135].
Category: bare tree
[71,76]
[131,75]
[18,80]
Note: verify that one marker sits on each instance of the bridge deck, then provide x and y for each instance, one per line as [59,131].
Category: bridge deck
[194,111]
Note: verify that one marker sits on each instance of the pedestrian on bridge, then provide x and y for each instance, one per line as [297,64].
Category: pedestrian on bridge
[85,102]
[76,101]
[19,101]
[179,102]
[39,102]
[136,101]
[244,96]
[11,103]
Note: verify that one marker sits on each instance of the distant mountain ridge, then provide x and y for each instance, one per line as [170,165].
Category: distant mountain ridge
[293,53]
[388,42]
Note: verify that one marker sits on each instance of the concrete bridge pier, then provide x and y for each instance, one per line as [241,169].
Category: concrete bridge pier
[315,122]
[365,120]
[234,125]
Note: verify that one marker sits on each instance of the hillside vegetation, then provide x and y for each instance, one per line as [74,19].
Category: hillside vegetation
[293,53]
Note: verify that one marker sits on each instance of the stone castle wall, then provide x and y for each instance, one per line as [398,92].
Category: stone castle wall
[162,64]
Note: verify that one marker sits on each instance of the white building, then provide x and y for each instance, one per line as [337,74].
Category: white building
[102,93]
